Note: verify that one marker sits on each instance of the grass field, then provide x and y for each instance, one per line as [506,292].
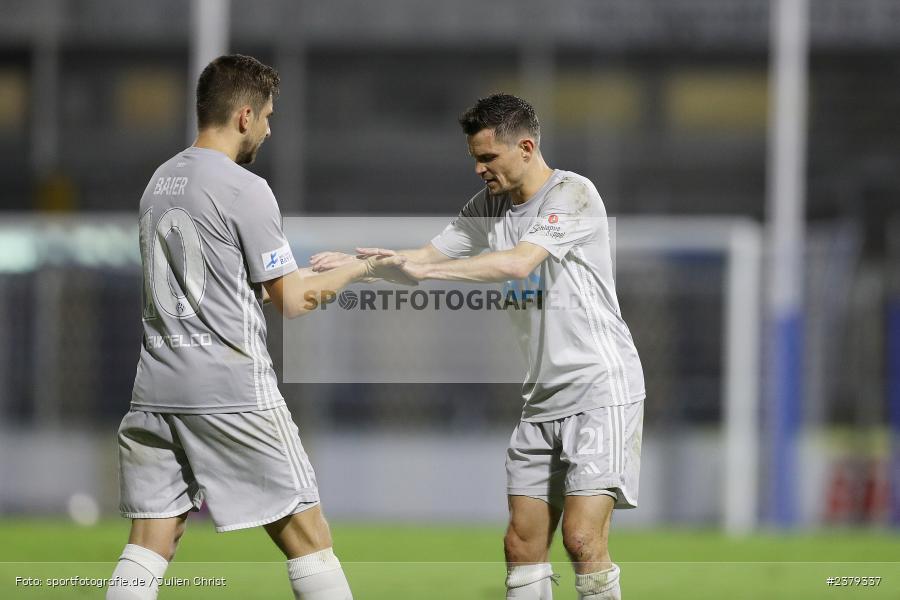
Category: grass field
[459,562]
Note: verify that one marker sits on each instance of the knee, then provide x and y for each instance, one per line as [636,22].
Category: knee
[584,544]
[521,549]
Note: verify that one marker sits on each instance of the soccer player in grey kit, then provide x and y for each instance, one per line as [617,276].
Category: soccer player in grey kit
[207,422]
[576,452]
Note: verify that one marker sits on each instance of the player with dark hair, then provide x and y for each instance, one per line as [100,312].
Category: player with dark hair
[576,452]
[207,422]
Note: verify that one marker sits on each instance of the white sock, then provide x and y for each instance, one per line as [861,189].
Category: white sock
[318,576]
[602,585]
[530,582]
[137,574]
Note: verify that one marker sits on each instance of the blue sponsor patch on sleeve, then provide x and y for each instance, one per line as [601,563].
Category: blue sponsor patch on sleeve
[277,258]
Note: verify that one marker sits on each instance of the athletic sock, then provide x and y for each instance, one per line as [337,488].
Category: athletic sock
[602,585]
[318,576]
[137,574]
[530,582]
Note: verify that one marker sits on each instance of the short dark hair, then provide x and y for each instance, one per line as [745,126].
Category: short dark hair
[506,114]
[231,81]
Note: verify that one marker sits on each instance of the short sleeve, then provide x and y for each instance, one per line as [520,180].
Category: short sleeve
[466,235]
[256,221]
[570,215]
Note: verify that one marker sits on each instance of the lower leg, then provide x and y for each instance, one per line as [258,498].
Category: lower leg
[526,545]
[585,536]
[151,545]
[530,582]
[159,535]
[315,572]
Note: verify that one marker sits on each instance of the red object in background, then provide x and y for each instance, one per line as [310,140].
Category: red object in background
[858,492]
[875,492]
[839,508]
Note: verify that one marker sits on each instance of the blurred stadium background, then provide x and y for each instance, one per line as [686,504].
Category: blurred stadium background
[668,106]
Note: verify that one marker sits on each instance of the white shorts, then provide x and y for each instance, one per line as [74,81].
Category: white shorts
[250,467]
[586,454]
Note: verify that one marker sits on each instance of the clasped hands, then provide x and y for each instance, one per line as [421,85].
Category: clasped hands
[381,263]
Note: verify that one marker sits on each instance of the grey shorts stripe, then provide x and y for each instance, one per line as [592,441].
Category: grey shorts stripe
[303,464]
[620,441]
[612,436]
[616,420]
[290,450]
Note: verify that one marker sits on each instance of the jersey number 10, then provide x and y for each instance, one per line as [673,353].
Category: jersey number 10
[176,294]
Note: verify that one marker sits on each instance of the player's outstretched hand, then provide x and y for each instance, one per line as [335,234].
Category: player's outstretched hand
[389,268]
[367,252]
[326,261]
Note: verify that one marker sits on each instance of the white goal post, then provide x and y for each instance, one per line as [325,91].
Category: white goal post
[740,240]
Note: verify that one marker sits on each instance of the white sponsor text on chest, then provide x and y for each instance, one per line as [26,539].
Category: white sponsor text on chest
[170,186]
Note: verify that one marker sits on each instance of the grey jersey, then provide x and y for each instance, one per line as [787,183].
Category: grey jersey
[210,233]
[579,352]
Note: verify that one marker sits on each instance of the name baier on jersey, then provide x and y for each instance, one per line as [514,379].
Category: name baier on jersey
[210,234]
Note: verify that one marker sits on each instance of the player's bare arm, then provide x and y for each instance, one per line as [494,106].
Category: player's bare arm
[291,293]
[304,272]
[496,266]
[325,261]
